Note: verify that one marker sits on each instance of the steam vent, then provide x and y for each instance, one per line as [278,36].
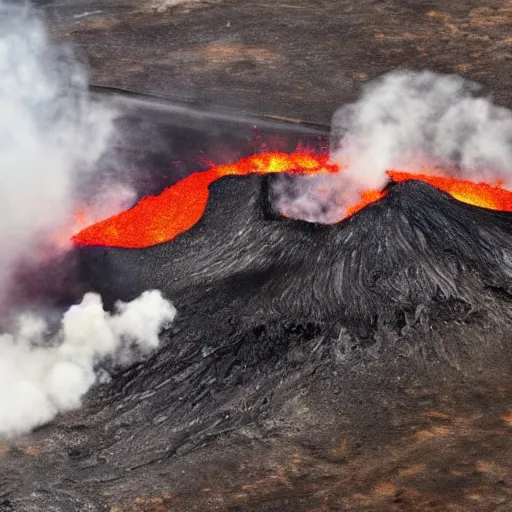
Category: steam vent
[363,364]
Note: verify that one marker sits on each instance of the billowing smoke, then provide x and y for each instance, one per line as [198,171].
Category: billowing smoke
[51,135]
[42,374]
[412,121]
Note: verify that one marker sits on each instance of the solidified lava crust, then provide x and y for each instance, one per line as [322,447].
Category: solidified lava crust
[301,353]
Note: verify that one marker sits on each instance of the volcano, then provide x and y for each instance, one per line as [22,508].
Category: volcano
[359,365]
[291,327]
[415,248]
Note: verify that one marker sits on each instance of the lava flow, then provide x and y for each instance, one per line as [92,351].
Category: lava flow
[493,197]
[158,219]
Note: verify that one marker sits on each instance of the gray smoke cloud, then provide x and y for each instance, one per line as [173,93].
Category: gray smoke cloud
[42,375]
[412,121]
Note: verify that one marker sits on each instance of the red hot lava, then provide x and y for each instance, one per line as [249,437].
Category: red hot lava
[158,219]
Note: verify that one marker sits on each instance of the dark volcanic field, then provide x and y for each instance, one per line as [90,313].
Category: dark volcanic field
[364,366]
[298,59]
[360,366]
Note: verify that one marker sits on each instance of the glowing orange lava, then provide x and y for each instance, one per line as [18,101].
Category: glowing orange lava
[484,195]
[367,197]
[157,219]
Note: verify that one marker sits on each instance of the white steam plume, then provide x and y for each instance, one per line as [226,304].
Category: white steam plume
[40,378]
[51,133]
[410,121]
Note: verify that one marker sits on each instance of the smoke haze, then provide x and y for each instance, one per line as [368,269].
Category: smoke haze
[51,133]
[412,121]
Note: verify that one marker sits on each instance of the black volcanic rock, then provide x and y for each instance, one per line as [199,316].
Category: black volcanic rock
[309,348]
[415,248]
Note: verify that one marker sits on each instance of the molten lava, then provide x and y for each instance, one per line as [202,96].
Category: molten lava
[493,197]
[157,219]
